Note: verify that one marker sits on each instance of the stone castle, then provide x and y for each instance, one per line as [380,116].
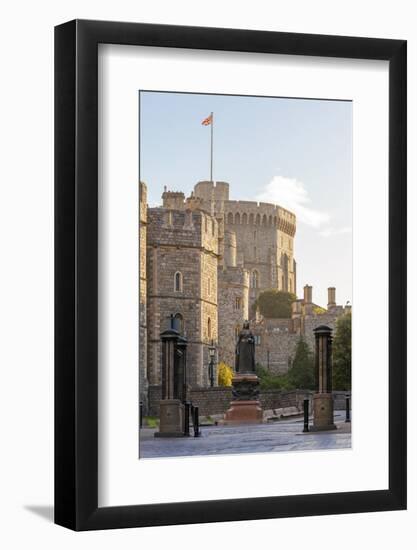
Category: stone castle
[204,260]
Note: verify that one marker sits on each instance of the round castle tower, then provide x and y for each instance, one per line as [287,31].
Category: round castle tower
[264,235]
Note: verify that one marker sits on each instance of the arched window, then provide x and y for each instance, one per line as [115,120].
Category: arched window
[258,219]
[238,302]
[254,279]
[251,219]
[245,219]
[264,220]
[209,328]
[237,218]
[179,322]
[270,221]
[178,281]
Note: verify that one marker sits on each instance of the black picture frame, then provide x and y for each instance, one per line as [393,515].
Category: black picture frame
[76,272]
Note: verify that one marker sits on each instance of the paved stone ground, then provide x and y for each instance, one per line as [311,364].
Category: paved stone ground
[284,435]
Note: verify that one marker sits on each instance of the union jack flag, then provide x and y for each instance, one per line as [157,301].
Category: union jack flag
[207,121]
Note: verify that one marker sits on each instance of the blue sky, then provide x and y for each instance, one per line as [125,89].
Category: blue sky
[292,152]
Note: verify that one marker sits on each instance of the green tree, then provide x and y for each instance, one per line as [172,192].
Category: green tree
[269,381]
[275,304]
[342,353]
[301,374]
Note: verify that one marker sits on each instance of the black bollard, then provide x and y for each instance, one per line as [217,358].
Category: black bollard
[197,432]
[186,418]
[306,407]
[347,409]
[140,414]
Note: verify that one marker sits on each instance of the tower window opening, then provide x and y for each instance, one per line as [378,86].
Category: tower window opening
[178,282]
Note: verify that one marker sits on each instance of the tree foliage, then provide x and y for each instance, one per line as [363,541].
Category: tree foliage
[301,373]
[269,381]
[342,353]
[275,304]
[224,375]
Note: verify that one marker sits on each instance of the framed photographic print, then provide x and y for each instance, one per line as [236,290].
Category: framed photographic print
[230,275]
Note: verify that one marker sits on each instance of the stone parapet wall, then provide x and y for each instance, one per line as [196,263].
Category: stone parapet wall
[211,401]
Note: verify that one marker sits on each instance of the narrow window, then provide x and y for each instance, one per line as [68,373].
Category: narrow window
[178,282]
[179,322]
[209,328]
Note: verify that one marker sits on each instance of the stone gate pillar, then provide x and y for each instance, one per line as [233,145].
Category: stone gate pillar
[323,398]
[174,372]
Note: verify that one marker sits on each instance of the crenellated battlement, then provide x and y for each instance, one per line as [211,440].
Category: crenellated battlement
[259,214]
[185,228]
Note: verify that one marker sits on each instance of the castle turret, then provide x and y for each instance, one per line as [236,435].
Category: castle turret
[211,191]
[230,249]
[174,200]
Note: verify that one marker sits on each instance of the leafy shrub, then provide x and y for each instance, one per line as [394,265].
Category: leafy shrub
[224,374]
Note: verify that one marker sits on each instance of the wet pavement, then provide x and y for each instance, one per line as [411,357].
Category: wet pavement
[283,435]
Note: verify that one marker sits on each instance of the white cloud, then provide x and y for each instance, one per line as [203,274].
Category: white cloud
[292,194]
[330,231]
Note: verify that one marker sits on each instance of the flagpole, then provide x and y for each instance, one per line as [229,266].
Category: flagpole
[211,150]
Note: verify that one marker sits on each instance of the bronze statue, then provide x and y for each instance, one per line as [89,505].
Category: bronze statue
[245,351]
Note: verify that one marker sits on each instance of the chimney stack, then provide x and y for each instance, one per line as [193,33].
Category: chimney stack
[308,294]
[331,297]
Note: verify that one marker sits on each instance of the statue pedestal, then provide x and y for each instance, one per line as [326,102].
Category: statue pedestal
[322,412]
[245,407]
[171,418]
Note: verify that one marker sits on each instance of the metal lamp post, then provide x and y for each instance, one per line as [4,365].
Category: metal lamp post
[212,353]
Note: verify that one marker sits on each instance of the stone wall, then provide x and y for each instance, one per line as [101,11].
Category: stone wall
[143,336]
[277,338]
[233,309]
[216,400]
[183,242]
